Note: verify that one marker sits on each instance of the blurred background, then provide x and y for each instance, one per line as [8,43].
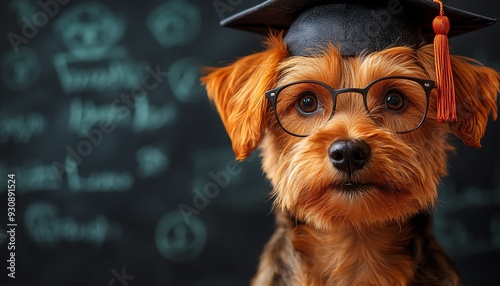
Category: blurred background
[124,172]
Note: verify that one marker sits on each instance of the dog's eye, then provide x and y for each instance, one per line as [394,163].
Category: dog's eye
[308,103]
[395,100]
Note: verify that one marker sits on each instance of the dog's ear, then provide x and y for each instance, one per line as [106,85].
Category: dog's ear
[476,90]
[238,91]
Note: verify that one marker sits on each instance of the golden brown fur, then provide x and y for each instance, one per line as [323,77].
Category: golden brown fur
[380,236]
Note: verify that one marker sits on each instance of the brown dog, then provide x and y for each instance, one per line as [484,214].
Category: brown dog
[353,155]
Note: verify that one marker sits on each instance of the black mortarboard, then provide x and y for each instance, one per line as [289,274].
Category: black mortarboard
[356,26]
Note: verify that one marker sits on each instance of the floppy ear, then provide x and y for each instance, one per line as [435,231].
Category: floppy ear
[238,93]
[476,90]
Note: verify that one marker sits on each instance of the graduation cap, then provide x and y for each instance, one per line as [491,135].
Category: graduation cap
[363,26]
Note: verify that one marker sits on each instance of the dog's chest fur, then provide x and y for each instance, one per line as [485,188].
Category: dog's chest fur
[405,254]
[373,256]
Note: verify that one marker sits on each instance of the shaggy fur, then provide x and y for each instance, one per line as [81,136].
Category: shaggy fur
[326,236]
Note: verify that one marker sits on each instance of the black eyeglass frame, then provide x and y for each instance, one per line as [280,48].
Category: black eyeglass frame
[427,84]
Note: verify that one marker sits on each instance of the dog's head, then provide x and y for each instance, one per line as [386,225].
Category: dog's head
[348,140]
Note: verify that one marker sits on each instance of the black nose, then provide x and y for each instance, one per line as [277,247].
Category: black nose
[349,155]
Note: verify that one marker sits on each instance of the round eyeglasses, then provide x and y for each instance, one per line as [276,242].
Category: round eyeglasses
[397,103]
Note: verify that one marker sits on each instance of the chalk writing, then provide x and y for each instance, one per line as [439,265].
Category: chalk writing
[97,181]
[110,71]
[153,160]
[89,29]
[183,77]
[20,70]
[35,177]
[20,128]
[148,117]
[90,32]
[83,115]
[175,23]
[178,241]
[39,177]
[47,228]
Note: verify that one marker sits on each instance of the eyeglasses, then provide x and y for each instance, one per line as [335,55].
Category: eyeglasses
[397,103]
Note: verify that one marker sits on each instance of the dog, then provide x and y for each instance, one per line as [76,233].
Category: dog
[353,188]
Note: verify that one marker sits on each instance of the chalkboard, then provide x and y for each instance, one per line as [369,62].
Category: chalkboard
[123,172]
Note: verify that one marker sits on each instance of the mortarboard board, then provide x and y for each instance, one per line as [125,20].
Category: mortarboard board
[356,26]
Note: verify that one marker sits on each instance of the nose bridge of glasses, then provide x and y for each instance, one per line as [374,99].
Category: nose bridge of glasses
[349,100]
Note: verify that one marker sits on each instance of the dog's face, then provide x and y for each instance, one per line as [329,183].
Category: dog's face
[354,167]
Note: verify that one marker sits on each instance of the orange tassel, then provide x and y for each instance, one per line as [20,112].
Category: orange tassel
[446,107]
